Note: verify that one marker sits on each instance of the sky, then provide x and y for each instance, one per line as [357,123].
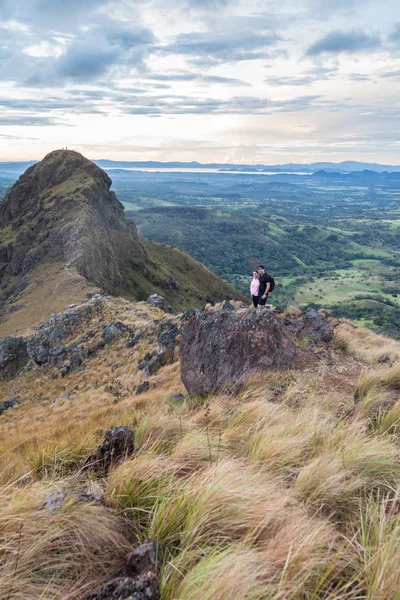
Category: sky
[237,81]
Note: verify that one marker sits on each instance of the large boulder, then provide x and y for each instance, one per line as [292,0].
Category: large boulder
[227,347]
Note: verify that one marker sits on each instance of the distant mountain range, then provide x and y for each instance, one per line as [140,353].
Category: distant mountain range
[342,167]
[16,168]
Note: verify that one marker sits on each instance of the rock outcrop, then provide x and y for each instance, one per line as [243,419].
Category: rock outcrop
[144,587]
[317,327]
[137,579]
[313,327]
[225,348]
[118,444]
[62,209]
[67,341]
[13,356]
[159,302]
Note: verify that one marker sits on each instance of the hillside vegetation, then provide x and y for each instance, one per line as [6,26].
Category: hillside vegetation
[287,490]
[329,239]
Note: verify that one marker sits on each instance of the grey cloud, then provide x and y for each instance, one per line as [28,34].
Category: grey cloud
[223,80]
[388,74]
[91,56]
[72,103]
[295,81]
[359,77]
[86,60]
[87,55]
[174,104]
[318,73]
[395,35]
[124,37]
[231,46]
[58,15]
[339,41]
[198,77]
[207,5]
[28,120]
[323,9]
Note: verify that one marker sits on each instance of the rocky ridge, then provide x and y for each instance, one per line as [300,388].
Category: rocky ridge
[220,347]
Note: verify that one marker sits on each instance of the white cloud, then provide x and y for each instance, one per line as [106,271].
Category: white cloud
[225,79]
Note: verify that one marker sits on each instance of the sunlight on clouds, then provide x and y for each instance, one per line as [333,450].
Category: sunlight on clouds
[233,80]
[43,49]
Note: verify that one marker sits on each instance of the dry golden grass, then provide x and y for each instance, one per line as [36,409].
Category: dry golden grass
[52,288]
[285,491]
[60,553]
[365,344]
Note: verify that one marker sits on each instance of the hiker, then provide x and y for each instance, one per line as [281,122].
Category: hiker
[254,288]
[265,284]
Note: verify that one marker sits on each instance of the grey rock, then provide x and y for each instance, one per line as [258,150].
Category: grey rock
[134,340]
[317,327]
[152,367]
[314,318]
[8,404]
[225,348]
[75,360]
[13,356]
[55,500]
[142,387]
[63,397]
[159,302]
[228,306]
[113,331]
[144,587]
[188,314]
[177,398]
[46,346]
[167,332]
[149,556]
[117,445]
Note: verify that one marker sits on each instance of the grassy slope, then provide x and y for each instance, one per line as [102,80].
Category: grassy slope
[278,493]
[224,239]
[236,242]
[194,280]
[51,289]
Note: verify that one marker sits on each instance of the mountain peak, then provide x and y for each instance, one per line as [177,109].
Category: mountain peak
[61,213]
[57,168]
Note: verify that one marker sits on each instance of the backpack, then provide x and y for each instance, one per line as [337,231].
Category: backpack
[271,284]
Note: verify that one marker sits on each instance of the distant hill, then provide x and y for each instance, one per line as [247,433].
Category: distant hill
[11,169]
[63,233]
[342,167]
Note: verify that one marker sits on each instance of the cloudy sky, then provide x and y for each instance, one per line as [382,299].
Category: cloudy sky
[246,81]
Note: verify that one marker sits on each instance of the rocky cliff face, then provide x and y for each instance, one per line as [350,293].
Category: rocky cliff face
[61,211]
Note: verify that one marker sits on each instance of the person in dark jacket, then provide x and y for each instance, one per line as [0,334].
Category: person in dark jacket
[265,283]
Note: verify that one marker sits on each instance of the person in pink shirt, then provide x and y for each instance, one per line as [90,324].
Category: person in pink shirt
[254,288]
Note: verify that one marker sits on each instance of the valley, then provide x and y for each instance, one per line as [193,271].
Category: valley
[330,240]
